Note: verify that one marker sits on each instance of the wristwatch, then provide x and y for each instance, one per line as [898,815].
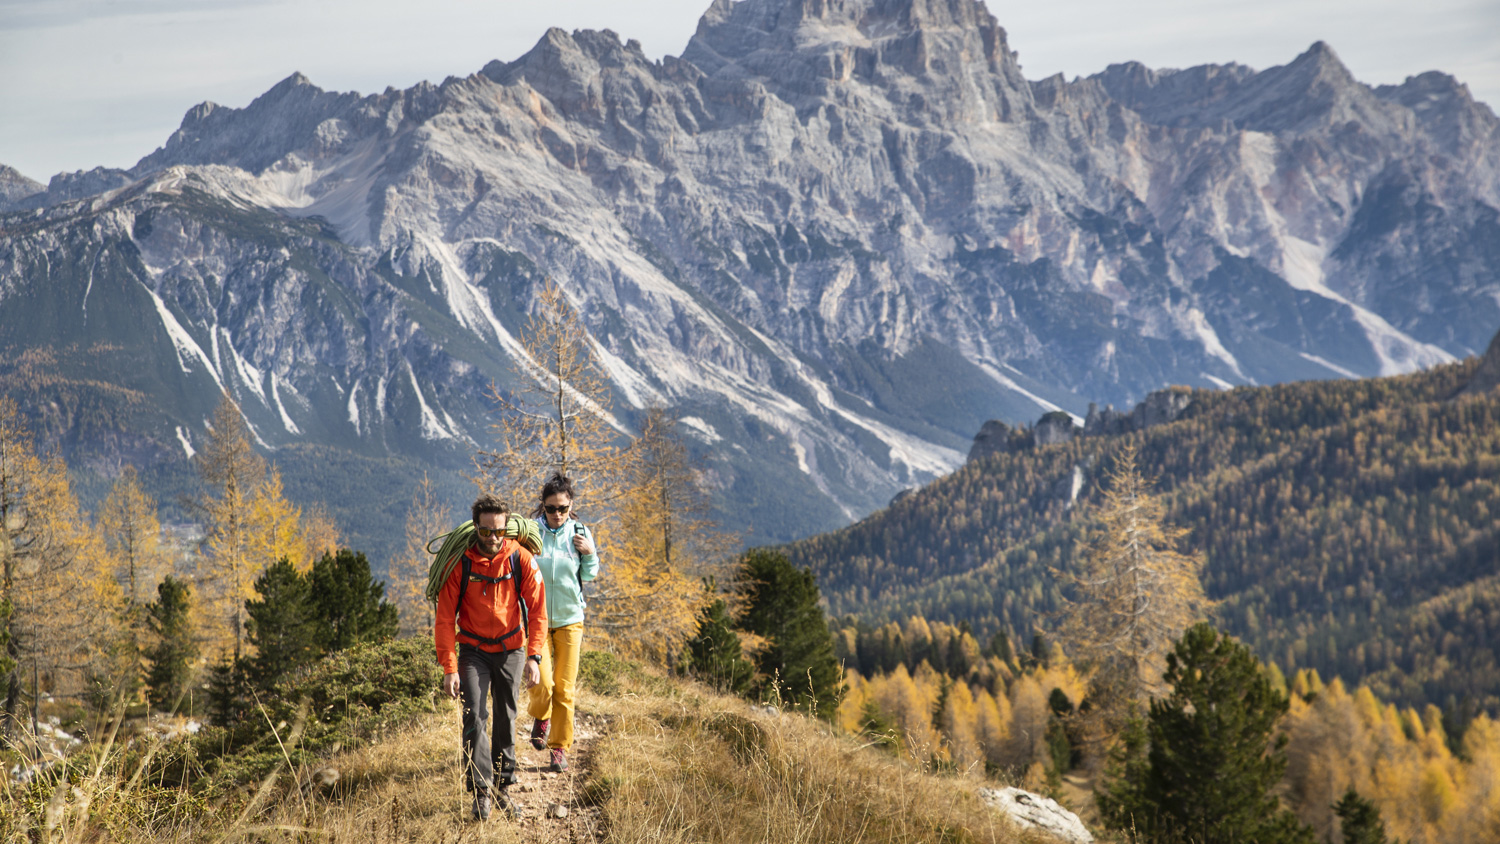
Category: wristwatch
[537,658]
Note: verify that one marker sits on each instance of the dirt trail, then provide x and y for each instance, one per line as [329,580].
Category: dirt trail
[539,794]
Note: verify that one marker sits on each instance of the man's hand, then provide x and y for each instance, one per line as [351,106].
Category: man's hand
[532,674]
[450,685]
[582,544]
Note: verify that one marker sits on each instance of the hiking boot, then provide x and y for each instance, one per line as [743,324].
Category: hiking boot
[539,733]
[506,805]
[559,760]
[482,806]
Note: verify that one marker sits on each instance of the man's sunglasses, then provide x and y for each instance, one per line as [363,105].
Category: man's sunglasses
[486,533]
[554,508]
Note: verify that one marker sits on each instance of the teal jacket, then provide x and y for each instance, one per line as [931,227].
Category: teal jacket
[564,571]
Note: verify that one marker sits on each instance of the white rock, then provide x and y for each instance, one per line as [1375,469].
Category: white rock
[557,810]
[1037,812]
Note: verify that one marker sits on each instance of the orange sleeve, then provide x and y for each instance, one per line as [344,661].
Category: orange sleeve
[529,583]
[445,628]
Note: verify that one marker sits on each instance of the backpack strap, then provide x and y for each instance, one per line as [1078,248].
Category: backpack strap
[468,574]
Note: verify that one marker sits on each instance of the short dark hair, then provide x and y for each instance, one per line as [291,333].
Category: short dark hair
[488,503]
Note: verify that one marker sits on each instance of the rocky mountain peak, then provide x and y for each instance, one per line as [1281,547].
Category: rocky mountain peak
[283,119]
[1310,93]
[1446,111]
[14,186]
[1313,91]
[951,52]
[565,67]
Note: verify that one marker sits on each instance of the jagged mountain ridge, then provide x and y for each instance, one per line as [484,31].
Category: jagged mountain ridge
[837,236]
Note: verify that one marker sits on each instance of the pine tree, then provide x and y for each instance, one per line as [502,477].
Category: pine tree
[349,603]
[231,697]
[282,624]
[1210,762]
[715,656]
[1359,819]
[782,606]
[1121,796]
[171,658]
[880,730]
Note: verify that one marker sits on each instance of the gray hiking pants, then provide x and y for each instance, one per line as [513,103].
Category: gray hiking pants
[479,674]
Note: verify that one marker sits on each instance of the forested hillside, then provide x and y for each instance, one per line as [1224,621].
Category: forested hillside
[1348,526]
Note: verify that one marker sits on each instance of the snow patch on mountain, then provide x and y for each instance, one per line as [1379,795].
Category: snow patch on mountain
[250,375]
[637,390]
[1329,365]
[1195,324]
[1005,381]
[702,429]
[286,419]
[432,429]
[354,408]
[1398,353]
[1216,381]
[182,342]
[187,446]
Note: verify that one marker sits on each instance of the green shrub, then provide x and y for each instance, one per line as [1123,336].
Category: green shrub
[350,696]
[599,672]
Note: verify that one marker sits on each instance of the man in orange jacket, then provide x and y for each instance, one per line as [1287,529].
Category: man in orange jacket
[495,600]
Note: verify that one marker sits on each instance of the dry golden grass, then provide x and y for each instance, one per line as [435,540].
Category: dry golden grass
[692,765]
[406,787]
[658,760]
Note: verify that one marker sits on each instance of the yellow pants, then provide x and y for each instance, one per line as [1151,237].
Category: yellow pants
[553,698]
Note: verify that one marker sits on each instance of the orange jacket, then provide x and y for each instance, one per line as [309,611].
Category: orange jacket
[490,609]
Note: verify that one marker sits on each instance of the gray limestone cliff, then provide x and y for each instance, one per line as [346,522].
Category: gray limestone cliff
[836,236]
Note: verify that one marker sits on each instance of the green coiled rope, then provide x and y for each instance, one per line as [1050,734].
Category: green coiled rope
[457,541]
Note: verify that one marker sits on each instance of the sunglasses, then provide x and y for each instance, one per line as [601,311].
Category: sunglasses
[556,508]
[486,533]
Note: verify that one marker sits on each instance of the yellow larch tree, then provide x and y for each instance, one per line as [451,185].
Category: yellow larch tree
[131,533]
[275,528]
[662,568]
[961,728]
[1133,594]
[560,419]
[1029,718]
[857,694]
[47,580]
[993,721]
[426,517]
[234,474]
[320,533]
[900,699]
[132,537]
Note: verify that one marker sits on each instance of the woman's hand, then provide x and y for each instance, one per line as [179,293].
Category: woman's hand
[582,545]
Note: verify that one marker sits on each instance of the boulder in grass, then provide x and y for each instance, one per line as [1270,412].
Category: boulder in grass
[1034,811]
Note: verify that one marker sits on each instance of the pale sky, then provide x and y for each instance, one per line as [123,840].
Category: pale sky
[85,83]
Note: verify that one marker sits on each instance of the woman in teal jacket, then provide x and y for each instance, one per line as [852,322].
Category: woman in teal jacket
[569,559]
